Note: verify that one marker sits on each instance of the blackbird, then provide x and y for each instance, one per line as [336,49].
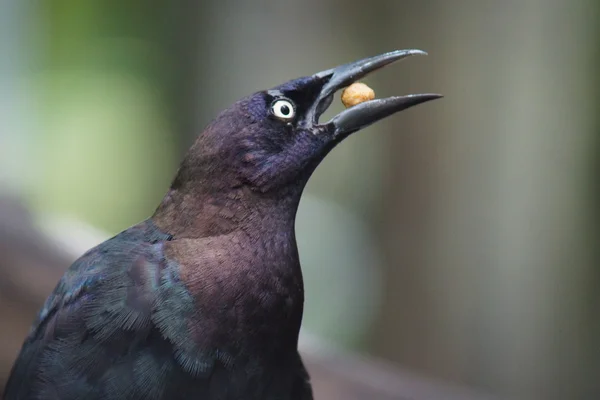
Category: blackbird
[204,300]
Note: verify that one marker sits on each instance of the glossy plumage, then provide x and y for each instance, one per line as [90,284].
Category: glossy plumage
[203,300]
[122,325]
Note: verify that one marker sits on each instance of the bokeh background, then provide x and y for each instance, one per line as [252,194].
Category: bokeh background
[457,241]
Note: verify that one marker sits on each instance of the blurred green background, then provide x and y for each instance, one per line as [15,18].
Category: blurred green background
[458,239]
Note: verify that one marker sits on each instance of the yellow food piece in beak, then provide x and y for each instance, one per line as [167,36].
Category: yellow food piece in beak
[357,93]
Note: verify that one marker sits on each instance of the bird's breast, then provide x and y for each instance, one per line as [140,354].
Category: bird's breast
[245,294]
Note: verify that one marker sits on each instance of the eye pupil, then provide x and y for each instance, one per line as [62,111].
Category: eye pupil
[285,109]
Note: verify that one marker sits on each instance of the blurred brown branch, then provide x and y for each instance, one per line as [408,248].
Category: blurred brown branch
[30,266]
[350,377]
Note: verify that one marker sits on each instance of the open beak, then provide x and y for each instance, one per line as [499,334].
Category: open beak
[366,113]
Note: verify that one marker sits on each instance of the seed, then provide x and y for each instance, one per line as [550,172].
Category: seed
[357,93]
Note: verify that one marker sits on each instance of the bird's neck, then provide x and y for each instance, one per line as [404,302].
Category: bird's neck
[198,214]
[251,242]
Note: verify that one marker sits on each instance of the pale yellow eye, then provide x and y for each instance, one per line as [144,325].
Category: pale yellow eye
[283,109]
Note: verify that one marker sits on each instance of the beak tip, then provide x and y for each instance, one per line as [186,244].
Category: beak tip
[416,99]
[417,52]
[399,54]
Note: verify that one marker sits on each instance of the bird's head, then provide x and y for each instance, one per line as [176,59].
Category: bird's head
[272,140]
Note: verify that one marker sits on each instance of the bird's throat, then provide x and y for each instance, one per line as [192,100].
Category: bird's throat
[194,214]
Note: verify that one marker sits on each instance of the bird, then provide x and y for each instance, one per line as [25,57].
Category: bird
[204,299]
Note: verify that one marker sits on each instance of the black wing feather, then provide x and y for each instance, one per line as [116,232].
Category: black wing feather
[107,332]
